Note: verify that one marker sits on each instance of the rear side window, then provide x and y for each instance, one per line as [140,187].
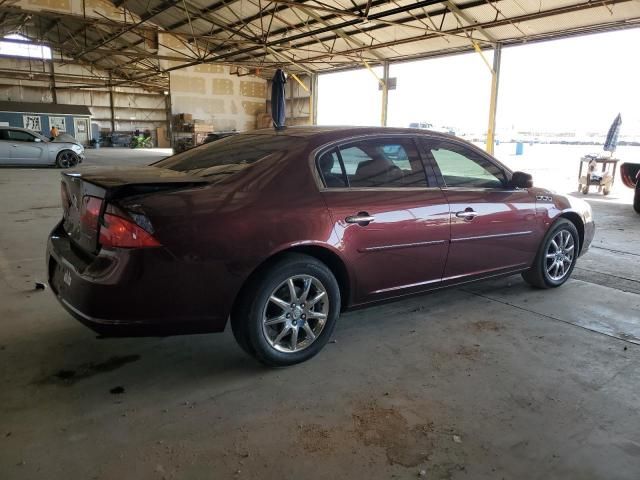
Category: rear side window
[229,155]
[331,170]
[376,163]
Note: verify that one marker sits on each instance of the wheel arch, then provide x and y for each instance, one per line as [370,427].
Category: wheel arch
[322,253]
[61,151]
[575,218]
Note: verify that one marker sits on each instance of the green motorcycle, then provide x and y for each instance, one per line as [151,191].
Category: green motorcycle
[141,141]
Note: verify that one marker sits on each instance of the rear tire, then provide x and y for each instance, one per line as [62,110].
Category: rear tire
[556,256]
[636,198]
[67,159]
[287,313]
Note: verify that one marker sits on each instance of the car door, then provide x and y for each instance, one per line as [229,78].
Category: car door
[390,221]
[5,148]
[493,226]
[27,149]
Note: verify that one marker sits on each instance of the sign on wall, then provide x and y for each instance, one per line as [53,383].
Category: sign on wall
[32,122]
[58,122]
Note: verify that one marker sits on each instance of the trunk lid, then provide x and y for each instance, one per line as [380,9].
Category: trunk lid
[87,191]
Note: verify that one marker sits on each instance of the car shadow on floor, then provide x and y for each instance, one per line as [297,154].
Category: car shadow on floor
[74,356]
[70,361]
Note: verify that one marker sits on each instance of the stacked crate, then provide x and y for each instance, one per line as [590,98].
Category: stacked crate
[189,132]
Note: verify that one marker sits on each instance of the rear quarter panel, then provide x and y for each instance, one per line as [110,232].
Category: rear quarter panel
[219,234]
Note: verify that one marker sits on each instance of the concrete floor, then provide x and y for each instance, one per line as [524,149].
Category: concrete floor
[492,381]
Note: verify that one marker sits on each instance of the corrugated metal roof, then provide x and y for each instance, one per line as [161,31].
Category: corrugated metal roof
[154,36]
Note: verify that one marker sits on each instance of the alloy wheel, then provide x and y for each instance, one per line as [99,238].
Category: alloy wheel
[560,253]
[295,314]
[67,160]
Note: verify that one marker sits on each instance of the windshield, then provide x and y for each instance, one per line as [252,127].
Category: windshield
[228,155]
[65,137]
[41,137]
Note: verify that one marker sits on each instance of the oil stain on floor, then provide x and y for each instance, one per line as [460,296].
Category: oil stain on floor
[68,377]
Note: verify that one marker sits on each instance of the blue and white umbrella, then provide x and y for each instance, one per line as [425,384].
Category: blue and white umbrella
[278,108]
[611,142]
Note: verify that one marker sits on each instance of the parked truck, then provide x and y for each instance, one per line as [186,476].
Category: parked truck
[631,178]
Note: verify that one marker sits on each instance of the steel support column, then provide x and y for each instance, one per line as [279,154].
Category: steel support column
[54,93]
[314,99]
[167,106]
[385,93]
[493,101]
[111,106]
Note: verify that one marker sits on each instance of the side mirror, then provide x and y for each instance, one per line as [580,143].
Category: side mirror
[521,180]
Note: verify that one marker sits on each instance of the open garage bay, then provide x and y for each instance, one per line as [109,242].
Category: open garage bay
[494,380]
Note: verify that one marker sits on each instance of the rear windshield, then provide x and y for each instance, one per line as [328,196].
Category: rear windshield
[228,155]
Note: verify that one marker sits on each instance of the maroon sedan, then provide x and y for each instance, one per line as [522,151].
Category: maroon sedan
[280,231]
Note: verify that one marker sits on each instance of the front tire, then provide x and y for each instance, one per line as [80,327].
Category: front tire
[287,314]
[556,257]
[636,198]
[67,159]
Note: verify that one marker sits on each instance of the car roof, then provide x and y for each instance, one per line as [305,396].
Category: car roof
[324,134]
[312,130]
[319,135]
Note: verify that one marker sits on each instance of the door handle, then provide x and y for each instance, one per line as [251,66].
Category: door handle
[467,214]
[362,218]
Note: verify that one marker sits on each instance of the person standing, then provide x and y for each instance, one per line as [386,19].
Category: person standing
[54,132]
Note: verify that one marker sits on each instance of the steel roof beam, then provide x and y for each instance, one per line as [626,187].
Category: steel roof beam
[217,6]
[161,8]
[71,17]
[331,28]
[493,24]
[371,4]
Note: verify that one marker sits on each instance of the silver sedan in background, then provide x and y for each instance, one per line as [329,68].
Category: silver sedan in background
[20,146]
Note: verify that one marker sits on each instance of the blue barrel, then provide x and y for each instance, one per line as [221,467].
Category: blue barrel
[519,148]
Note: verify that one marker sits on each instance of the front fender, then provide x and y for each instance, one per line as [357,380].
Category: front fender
[552,206]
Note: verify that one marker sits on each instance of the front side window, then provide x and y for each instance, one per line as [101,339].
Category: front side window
[376,163]
[460,166]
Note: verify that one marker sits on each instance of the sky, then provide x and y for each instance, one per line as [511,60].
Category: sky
[29,51]
[577,84]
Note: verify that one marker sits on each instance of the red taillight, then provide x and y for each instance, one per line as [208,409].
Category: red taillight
[122,233]
[90,212]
